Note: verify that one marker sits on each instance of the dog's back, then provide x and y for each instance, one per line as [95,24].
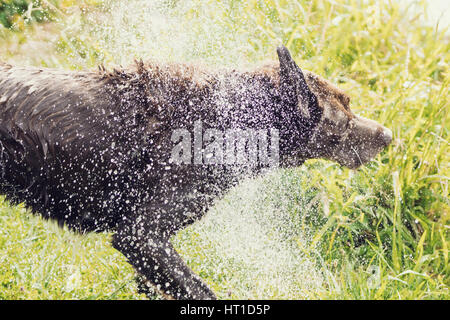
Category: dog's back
[57,134]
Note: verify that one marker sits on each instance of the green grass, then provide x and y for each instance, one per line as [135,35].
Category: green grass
[381,232]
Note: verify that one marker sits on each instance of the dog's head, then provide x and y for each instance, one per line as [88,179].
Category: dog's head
[336,133]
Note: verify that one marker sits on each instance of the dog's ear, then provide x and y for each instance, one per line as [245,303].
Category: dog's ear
[292,82]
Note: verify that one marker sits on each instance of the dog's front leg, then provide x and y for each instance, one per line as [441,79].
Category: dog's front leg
[155,259]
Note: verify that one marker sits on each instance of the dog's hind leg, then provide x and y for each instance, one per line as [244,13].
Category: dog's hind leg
[155,259]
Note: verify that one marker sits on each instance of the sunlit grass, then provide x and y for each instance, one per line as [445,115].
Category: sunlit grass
[380,232]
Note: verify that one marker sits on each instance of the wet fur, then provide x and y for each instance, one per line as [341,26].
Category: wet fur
[91,149]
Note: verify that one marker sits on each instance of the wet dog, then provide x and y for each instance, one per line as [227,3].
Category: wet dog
[96,150]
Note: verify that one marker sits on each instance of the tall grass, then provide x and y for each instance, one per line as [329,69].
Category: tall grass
[380,232]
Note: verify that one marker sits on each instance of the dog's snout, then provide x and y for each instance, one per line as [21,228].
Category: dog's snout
[387,136]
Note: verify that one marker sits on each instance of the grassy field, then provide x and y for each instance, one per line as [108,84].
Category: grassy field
[315,232]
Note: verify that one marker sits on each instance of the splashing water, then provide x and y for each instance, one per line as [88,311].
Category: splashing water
[186,31]
[253,246]
[250,245]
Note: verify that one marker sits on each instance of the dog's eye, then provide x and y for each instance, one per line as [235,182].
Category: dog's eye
[346,125]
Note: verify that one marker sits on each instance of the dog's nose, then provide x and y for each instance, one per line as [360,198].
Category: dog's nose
[387,136]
